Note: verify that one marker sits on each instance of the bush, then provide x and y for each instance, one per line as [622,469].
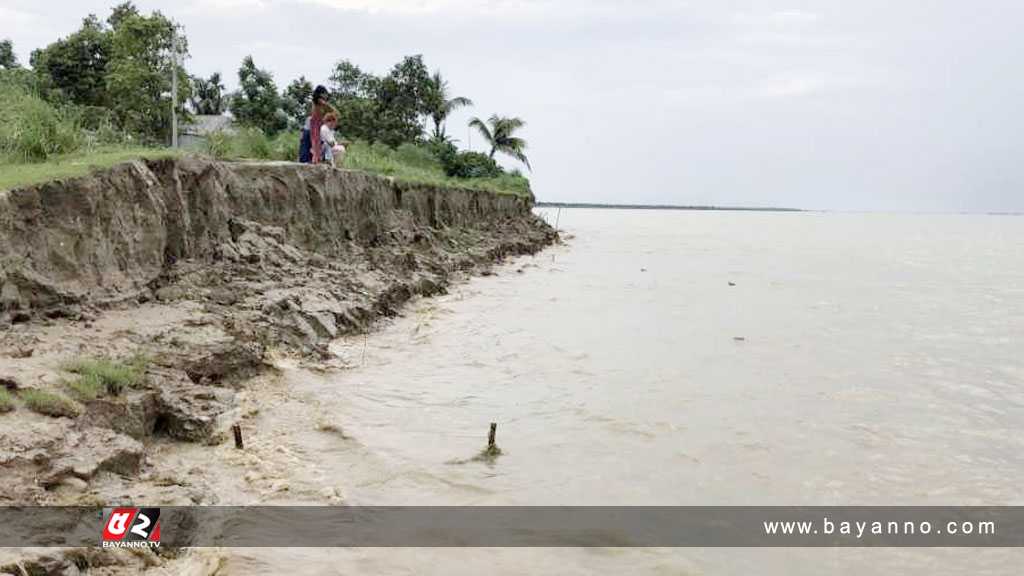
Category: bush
[285,146]
[49,403]
[32,130]
[472,165]
[6,401]
[418,156]
[252,143]
[218,144]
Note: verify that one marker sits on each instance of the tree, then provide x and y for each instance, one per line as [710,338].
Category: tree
[257,102]
[139,72]
[121,12]
[297,100]
[499,133]
[385,109]
[123,65]
[75,68]
[208,95]
[440,105]
[401,100]
[8,60]
[349,82]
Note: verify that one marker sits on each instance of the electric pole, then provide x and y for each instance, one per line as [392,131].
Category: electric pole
[174,87]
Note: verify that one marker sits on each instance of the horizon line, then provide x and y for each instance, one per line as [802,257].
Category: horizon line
[699,207]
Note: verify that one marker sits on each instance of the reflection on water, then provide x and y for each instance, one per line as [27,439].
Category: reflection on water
[691,358]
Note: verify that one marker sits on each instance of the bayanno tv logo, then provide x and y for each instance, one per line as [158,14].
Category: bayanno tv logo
[131,528]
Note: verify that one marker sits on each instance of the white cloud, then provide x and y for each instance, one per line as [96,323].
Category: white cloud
[226,6]
[795,17]
[530,8]
[435,6]
[16,18]
[806,84]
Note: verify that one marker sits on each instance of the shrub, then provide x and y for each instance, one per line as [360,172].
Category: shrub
[472,165]
[418,156]
[218,144]
[252,143]
[32,130]
[49,403]
[285,146]
[6,401]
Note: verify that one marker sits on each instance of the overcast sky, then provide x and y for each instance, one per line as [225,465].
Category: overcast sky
[852,104]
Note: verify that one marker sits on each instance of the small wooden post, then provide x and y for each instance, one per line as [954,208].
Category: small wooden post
[491,435]
[238,436]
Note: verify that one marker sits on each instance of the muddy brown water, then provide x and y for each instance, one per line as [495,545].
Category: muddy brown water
[677,358]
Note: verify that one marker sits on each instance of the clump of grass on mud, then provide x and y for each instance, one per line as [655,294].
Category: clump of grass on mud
[103,376]
[6,401]
[49,403]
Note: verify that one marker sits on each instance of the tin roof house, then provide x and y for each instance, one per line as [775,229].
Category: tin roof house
[194,133]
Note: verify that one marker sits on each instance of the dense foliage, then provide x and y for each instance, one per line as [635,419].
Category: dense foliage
[123,65]
[296,101]
[257,102]
[208,95]
[8,60]
[106,87]
[31,130]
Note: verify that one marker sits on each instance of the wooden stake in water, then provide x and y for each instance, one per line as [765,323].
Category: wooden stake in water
[491,435]
[238,436]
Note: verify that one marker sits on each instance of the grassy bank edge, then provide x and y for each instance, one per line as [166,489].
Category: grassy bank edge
[20,175]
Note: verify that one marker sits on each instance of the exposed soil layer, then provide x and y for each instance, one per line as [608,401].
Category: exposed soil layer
[204,270]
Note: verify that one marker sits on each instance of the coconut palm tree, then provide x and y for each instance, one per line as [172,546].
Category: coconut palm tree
[208,95]
[440,105]
[499,132]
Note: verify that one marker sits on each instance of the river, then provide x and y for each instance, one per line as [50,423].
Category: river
[685,358]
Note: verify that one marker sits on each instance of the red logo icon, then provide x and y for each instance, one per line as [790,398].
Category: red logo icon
[131,528]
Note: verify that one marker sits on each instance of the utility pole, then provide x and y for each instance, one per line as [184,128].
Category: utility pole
[174,87]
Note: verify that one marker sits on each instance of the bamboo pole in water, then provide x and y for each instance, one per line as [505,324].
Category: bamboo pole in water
[237,429]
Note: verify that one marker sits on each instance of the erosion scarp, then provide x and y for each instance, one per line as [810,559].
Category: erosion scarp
[196,272]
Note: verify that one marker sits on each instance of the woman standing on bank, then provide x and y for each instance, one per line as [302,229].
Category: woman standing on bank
[310,151]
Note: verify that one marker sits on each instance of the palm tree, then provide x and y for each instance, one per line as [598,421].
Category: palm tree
[208,95]
[500,135]
[440,105]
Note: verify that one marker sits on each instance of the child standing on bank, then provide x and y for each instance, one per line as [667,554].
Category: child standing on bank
[334,152]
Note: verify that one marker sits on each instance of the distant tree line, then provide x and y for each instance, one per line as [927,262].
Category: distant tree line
[119,70]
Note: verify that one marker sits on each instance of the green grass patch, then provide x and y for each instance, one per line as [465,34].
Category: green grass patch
[414,164]
[103,376]
[86,387]
[6,401]
[16,175]
[32,130]
[49,404]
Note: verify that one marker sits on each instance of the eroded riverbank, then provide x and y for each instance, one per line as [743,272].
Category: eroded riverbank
[205,275]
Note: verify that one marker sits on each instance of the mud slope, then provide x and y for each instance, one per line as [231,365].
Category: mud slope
[112,236]
[195,272]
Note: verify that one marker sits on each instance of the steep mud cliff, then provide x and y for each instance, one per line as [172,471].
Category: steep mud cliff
[116,235]
[203,270]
